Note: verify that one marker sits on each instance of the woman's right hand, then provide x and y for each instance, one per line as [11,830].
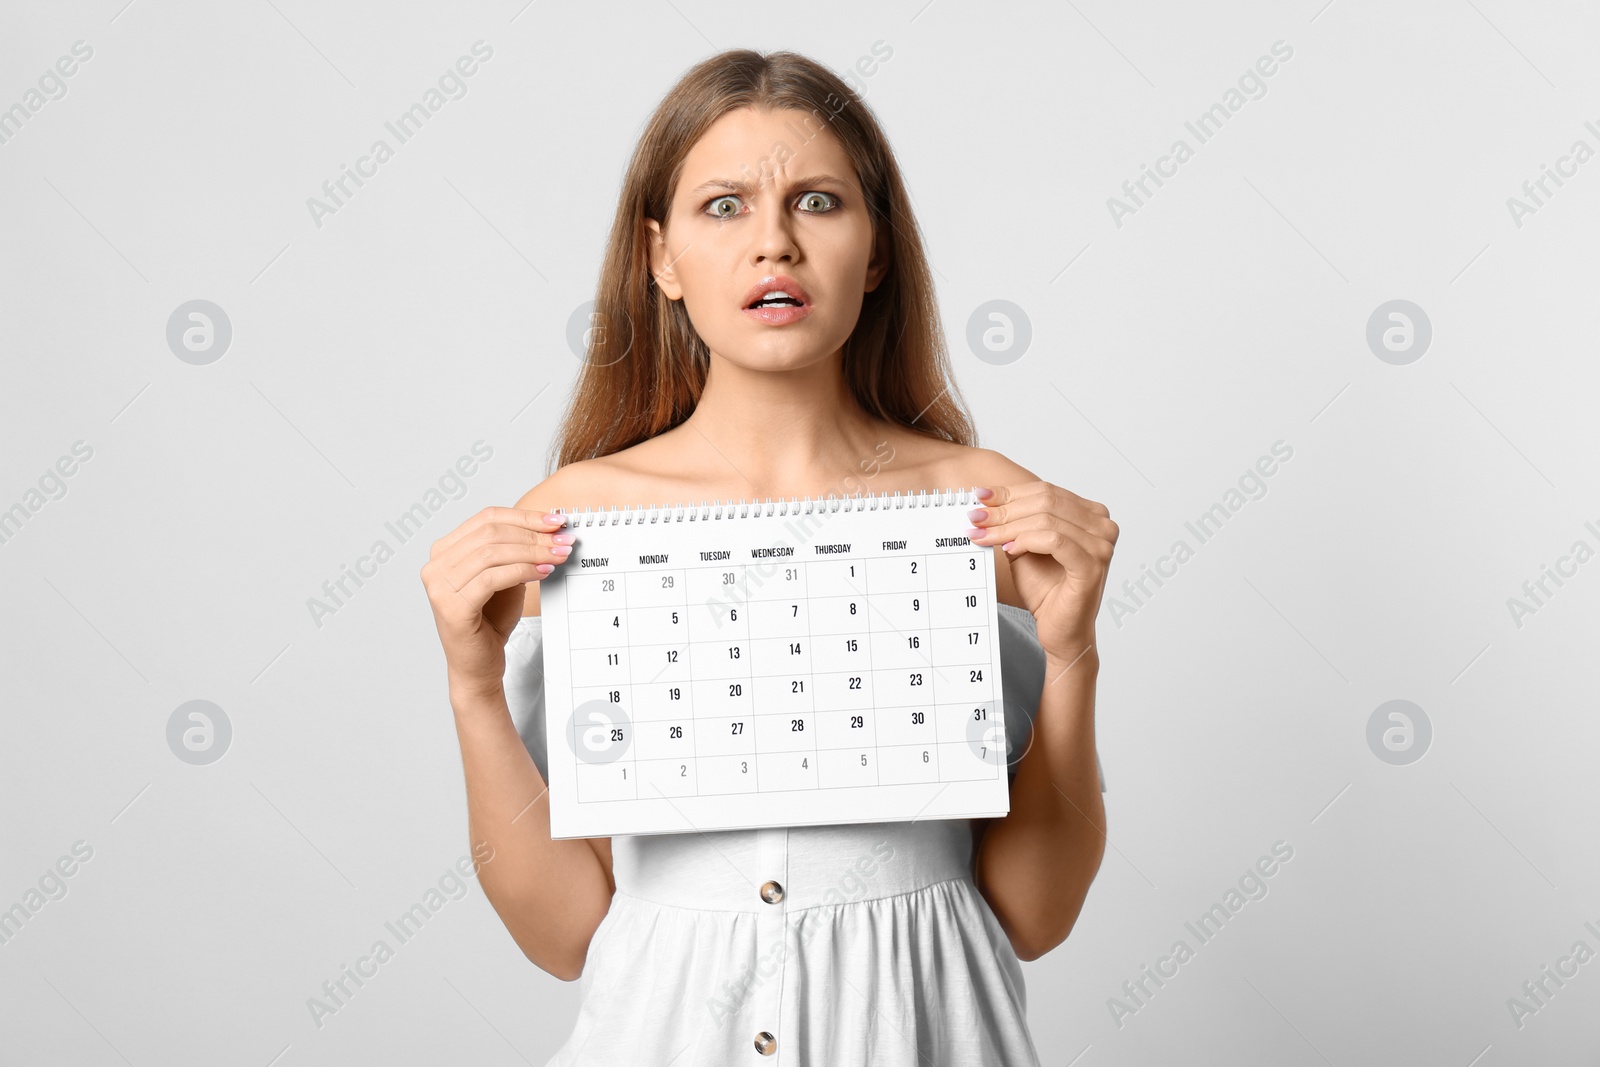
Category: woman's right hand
[475,578]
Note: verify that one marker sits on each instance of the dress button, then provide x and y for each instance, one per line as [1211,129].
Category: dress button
[766,1044]
[772,892]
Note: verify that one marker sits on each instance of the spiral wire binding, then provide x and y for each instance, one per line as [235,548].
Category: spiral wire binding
[646,514]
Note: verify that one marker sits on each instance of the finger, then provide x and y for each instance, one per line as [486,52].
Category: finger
[1089,526]
[998,495]
[486,583]
[485,535]
[1072,551]
[1003,495]
[537,521]
[1016,541]
[1013,501]
[1091,522]
[458,585]
[467,562]
[1053,501]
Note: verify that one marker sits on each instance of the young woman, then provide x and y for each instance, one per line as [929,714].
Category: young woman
[764,178]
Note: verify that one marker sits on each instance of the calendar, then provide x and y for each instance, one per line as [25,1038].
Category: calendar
[721,666]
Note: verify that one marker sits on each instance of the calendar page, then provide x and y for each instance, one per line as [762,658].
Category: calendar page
[750,664]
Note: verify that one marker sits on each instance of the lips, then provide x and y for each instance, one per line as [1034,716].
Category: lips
[780,282]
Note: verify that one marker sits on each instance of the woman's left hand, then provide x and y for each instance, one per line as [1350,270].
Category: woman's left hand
[1060,546]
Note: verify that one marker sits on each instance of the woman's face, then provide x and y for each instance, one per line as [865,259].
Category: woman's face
[768,195]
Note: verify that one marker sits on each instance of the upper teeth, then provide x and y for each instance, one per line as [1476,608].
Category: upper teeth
[776,294]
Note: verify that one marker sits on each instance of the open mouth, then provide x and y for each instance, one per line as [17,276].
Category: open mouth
[777,299]
[776,293]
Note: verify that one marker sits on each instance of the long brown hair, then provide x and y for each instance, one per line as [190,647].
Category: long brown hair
[645,365]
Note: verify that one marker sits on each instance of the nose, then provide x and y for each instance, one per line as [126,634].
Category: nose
[774,240]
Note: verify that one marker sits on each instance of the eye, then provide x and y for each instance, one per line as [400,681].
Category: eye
[811,198]
[718,212]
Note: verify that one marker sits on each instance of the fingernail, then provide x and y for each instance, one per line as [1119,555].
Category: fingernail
[983,493]
[1006,548]
[562,538]
[978,514]
[554,519]
[974,533]
[560,550]
[544,568]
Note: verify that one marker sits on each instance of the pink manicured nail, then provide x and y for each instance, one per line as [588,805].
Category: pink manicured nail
[978,514]
[974,534]
[983,493]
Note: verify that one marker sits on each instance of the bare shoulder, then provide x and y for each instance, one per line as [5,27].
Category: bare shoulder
[585,483]
[964,465]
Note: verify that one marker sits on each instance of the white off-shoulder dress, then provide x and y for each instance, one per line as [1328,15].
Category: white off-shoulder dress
[809,946]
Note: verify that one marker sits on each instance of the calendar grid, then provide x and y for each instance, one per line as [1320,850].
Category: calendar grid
[695,725]
[815,716]
[633,721]
[933,672]
[896,600]
[921,654]
[750,670]
[925,657]
[879,623]
[872,672]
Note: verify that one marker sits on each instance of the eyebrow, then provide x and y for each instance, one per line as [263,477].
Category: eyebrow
[746,187]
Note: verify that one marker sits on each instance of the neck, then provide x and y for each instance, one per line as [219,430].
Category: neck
[787,433]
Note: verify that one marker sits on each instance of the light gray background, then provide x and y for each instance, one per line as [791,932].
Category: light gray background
[1167,354]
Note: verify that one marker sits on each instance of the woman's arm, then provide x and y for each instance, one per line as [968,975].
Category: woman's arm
[1035,866]
[550,894]
[481,577]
